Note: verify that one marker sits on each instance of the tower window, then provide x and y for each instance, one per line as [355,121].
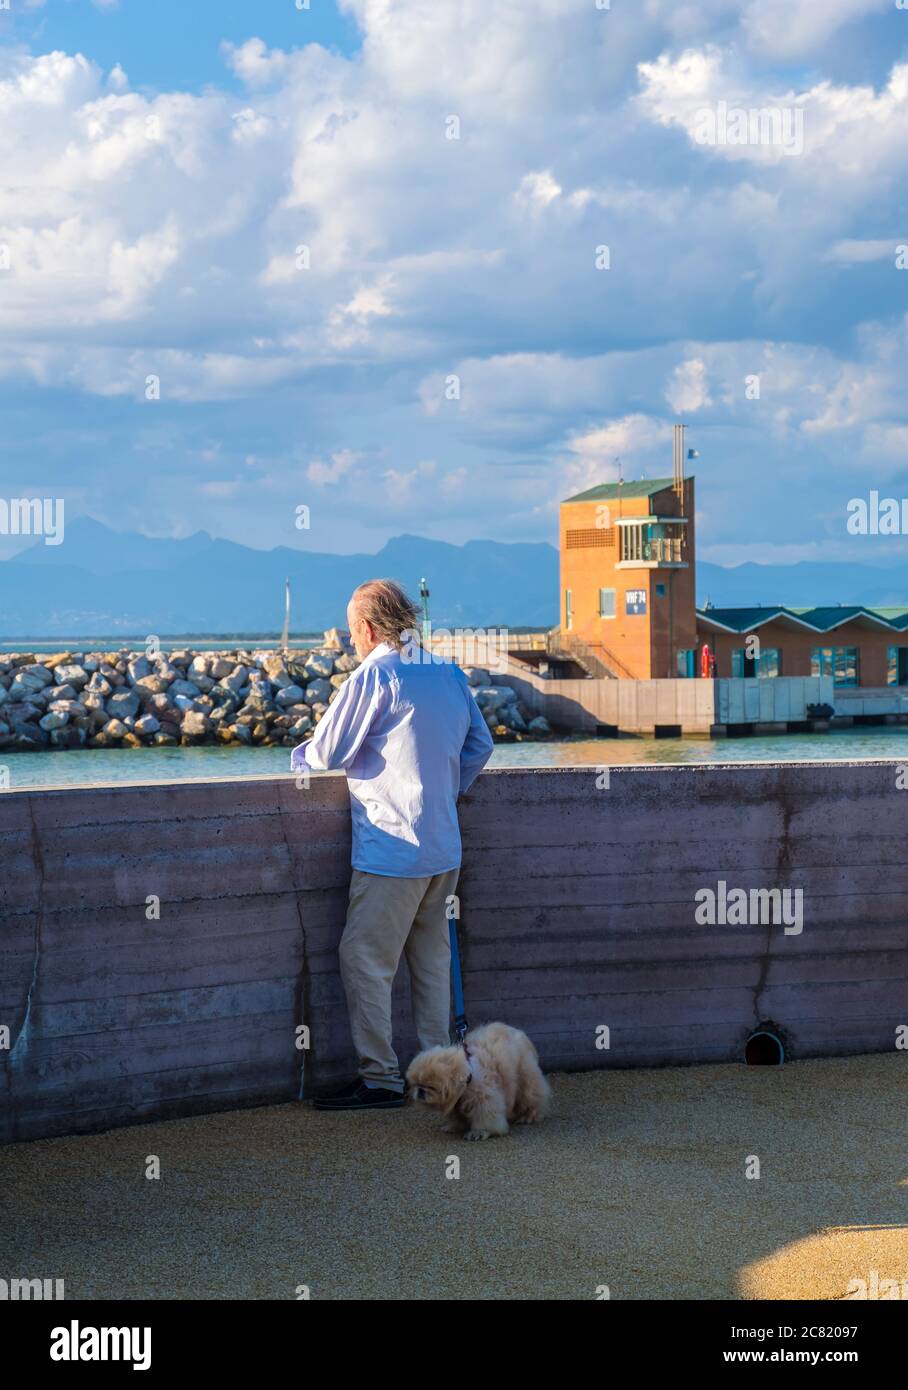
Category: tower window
[607,603]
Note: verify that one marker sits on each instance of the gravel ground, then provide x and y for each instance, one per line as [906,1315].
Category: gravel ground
[636,1181]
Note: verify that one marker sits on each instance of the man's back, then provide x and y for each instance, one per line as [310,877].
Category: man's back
[408,733]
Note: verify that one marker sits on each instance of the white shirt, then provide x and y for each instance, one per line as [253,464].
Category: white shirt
[410,737]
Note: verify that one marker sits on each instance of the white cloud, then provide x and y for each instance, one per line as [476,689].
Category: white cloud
[855,252]
[332,472]
[629,447]
[795,28]
[254,64]
[538,189]
[688,389]
[161,234]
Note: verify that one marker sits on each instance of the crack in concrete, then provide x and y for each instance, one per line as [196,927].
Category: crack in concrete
[783,873]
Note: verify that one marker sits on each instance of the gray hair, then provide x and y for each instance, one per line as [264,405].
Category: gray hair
[391,612]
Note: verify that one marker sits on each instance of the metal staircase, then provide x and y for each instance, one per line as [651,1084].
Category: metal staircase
[597,660]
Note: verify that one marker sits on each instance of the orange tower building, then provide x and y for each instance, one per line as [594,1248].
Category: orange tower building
[627,574]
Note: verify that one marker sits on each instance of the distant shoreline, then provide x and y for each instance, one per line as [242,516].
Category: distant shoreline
[122,641]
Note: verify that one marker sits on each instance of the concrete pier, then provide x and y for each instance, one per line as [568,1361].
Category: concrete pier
[161,946]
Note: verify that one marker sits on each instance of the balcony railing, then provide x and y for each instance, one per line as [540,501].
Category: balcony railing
[661,550]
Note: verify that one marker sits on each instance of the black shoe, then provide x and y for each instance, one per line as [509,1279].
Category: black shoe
[358,1096]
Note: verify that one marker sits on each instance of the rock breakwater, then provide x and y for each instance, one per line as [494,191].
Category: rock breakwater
[133,699]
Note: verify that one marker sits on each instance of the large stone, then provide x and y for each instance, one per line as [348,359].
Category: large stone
[147,725]
[56,719]
[114,728]
[222,693]
[138,670]
[185,703]
[123,703]
[238,678]
[70,737]
[318,692]
[60,706]
[36,673]
[317,664]
[195,724]
[255,706]
[220,667]
[151,685]
[28,681]
[337,637]
[198,666]
[28,736]
[290,695]
[181,687]
[494,696]
[346,662]
[276,671]
[477,675]
[539,725]
[67,674]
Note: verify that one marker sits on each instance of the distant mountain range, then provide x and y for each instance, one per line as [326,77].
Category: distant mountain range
[102,582]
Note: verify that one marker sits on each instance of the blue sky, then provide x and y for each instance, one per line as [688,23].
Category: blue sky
[169,44]
[249,269]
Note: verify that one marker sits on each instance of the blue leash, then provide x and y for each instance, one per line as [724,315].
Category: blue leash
[460,1017]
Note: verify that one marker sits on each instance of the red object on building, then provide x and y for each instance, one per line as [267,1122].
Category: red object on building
[705,661]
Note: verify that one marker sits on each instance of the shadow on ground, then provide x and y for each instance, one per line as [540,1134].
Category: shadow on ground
[637,1181]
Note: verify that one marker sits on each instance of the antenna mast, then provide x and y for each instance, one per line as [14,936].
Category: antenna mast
[285,634]
[678,464]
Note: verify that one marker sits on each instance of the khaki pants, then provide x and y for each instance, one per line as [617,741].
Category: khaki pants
[385,917]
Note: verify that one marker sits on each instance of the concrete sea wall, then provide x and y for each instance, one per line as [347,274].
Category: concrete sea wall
[693,706]
[161,945]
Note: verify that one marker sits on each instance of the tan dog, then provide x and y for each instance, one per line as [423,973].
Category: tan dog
[478,1090]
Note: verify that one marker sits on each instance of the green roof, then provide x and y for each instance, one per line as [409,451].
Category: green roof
[818,619]
[631,487]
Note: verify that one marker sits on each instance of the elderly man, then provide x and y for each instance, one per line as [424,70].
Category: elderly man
[409,735]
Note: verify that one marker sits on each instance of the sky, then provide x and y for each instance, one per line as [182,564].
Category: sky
[396,265]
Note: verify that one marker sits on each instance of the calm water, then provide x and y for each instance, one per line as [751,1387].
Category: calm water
[91,766]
